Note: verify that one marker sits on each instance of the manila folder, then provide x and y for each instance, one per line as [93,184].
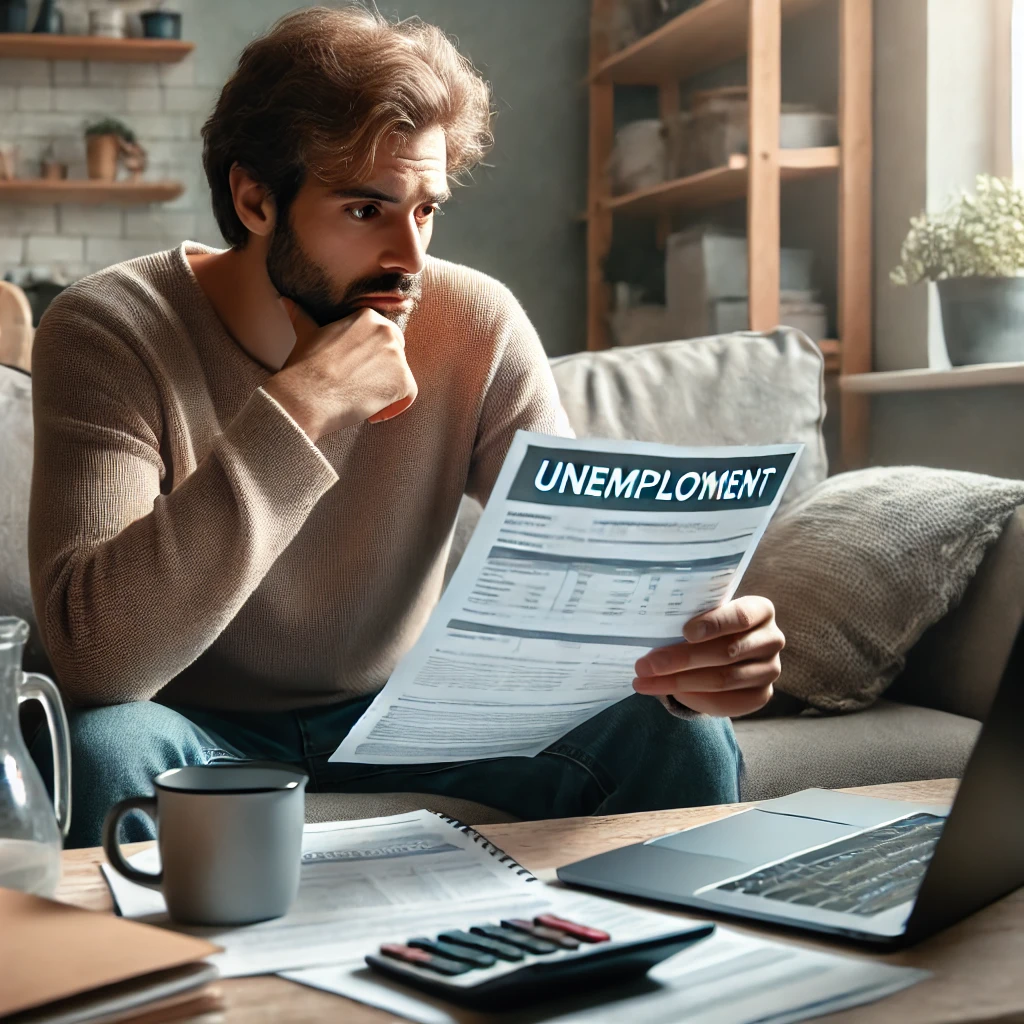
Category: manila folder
[50,951]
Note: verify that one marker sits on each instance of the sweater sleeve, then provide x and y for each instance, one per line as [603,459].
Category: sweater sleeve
[520,395]
[132,584]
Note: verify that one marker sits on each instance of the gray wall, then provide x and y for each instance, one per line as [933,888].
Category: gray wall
[517,222]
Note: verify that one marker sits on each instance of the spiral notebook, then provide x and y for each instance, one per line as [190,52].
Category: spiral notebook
[484,844]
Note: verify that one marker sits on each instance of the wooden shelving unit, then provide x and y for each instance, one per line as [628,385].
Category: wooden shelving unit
[39,46]
[702,38]
[720,184]
[705,37]
[85,190]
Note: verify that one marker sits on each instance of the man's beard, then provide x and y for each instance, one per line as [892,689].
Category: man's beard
[305,282]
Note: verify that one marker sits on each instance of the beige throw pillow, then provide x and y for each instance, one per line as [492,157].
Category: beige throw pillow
[862,564]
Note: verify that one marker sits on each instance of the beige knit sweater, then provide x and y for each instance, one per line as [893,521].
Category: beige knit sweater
[186,537]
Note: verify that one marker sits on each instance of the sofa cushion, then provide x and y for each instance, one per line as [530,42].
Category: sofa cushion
[15,481]
[729,389]
[863,564]
[891,742]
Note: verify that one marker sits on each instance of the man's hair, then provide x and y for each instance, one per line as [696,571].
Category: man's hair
[323,90]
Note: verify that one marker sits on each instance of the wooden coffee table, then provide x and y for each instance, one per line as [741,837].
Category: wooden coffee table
[978,965]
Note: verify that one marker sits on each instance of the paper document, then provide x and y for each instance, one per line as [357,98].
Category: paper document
[378,880]
[588,554]
[728,978]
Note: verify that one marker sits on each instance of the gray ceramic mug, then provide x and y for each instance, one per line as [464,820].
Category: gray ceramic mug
[230,839]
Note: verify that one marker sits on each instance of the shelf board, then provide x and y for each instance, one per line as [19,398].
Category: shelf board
[84,190]
[980,375]
[704,37]
[41,46]
[720,184]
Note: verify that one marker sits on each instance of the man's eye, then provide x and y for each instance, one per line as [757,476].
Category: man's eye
[432,211]
[364,212]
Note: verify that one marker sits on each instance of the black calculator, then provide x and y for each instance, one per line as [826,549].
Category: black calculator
[517,962]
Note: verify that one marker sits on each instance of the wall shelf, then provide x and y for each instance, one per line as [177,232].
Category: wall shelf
[704,37]
[980,375]
[720,184]
[40,46]
[83,190]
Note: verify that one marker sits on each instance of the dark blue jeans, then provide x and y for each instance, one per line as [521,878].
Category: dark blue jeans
[634,756]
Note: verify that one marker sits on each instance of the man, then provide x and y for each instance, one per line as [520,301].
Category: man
[249,462]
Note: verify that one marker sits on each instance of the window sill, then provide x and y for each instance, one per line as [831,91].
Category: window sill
[979,376]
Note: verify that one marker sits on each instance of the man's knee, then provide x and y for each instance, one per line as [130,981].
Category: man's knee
[115,753]
[121,740]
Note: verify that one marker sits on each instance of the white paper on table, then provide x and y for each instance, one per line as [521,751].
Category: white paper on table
[363,882]
[728,978]
[588,554]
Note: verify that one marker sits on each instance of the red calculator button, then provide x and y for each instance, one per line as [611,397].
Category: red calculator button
[579,931]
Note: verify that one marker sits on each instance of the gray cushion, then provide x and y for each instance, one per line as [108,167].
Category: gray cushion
[863,564]
[891,742]
[350,806]
[730,389]
[15,481]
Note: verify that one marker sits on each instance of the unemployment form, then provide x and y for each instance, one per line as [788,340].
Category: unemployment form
[588,554]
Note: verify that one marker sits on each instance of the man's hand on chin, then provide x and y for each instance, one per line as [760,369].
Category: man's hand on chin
[726,667]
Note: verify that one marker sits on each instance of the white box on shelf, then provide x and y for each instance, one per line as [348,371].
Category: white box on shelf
[705,264]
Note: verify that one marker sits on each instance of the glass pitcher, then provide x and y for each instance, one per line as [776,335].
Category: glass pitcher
[31,835]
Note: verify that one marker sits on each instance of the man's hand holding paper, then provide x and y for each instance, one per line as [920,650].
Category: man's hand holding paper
[726,664]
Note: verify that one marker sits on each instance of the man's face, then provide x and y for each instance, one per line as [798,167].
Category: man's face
[338,250]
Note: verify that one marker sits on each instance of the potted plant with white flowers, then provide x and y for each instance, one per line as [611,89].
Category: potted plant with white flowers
[973,250]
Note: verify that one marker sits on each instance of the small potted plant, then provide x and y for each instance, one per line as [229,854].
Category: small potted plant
[104,143]
[50,168]
[974,250]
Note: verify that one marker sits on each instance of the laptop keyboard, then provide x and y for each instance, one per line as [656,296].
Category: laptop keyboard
[866,874]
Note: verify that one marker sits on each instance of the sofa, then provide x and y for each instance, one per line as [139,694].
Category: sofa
[736,389]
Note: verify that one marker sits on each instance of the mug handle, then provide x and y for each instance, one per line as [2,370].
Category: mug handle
[112,848]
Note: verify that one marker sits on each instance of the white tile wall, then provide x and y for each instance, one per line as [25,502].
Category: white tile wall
[51,102]
[69,72]
[24,72]
[34,97]
[18,220]
[105,221]
[11,249]
[104,251]
[54,249]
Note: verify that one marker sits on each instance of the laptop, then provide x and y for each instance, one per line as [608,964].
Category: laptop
[876,871]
